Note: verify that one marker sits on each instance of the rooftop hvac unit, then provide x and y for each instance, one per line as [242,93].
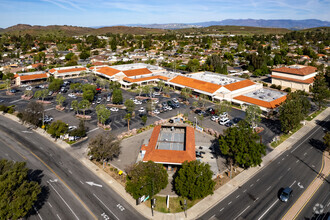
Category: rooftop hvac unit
[269,94]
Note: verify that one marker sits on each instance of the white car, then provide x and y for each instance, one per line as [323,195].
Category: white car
[29,88]
[141,110]
[224,115]
[169,108]
[114,109]
[137,102]
[175,100]
[155,101]
[108,98]
[41,86]
[72,95]
[71,128]
[214,118]
[155,112]
[156,93]
[224,121]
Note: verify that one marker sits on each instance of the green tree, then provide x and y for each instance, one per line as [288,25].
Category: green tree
[102,113]
[74,105]
[60,99]
[8,84]
[144,119]
[293,110]
[84,105]
[104,147]
[69,56]
[160,85]
[84,55]
[202,100]
[88,95]
[128,117]
[55,85]
[193,65]
[185,93]
[17,192]
[194,180]
[41,94]
[117,96]
[28,93]
[80,131]
[57,128]
[240,145]
[253,115]
[146,179]
[320,90]
[148,89]
[223,106]
[130,106]
[75,86]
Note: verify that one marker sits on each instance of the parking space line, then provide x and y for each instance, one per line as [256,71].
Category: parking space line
[49,109]
[15,101]
[92,130]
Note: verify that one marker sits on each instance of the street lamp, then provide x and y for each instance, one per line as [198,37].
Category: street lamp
[185,207]
[195,122]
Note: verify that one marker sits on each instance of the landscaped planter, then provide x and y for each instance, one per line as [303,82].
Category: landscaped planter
[117,106]
[9,93]
[26,97]
[85,117]
[44,102]
[60,108]
[105,127]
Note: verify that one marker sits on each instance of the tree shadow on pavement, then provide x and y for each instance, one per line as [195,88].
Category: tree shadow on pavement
[37,175]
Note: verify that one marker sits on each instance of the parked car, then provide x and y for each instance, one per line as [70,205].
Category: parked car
[236,120]
[214,117]
[156,93]
[229,124]
[141,109]
[71,128]
[155,112]
[176,105]
[169,108]
[224,115]
[99,100]
[13,90]
[175,100]
[108,98]
[211,111]
[286,194]
[164,104]
[223,121]
[72,95]
[202,113]
[114,109]
[1,100]
[50,93]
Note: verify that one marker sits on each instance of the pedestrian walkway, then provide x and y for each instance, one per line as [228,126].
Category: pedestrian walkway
[225,190]
[312,188]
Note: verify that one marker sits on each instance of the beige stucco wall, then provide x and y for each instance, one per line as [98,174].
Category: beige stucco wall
[294,76]
[293,85]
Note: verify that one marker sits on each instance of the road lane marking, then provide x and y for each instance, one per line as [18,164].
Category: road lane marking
[268,188]
[92,130]
[221,209]
[50,205]
[289,168]
[256,199]
[229,203]
[212,216]
[49,168]
[237,197]
[81,182]
[305,139]
[311,196]
[63,200]
[267,210]
[58,217]
[251,185]
[278,162]
[244,191]
[283,158]
[159,117]
[11,147]
[280,177]
[297,161]
[37,212]
[15,101]
[241,212]
[258,180]
[70,171]
[49,109]
[106,206]
[305,154]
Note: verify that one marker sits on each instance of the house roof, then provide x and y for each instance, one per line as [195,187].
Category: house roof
[306,81]
[196,84]
[145,79]
[108,71]
[36,65]
[137,72]
[297,71]
[71,70]
[170,156]
[262,103]
[52,70]
[33,76]
[239,85]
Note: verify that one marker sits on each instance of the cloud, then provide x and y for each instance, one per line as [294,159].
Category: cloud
[65,4]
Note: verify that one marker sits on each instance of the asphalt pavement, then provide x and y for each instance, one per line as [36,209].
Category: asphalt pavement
[72,191]
[258,197]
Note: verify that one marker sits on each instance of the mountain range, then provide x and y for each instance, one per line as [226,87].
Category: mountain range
[273,23]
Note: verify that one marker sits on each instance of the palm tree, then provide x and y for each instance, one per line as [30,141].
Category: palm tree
[128,117]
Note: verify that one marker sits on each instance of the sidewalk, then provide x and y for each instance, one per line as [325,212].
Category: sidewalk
[221,193]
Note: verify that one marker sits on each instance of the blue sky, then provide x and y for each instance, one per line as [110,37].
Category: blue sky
[115,12]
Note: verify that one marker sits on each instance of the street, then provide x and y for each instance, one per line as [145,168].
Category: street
[258,197]
[70,191]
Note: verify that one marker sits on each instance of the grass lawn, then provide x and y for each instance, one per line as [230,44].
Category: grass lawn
[283,137]
[176,204]
[313,115]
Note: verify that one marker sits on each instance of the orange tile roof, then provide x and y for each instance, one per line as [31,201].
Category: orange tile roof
[137,72]
[269,105]
[196,84]
[170,156]
[302,71]
[108,71]
[52,70]
[97,63]
[306,81]
[72,70]
[36,65]
[33,76]
[239,85]
[145,78]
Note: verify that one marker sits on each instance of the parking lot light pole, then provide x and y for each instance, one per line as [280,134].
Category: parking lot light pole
[195,122]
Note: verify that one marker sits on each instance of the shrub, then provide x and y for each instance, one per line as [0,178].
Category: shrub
[273,86]
[3,108]
[279,87]
[265,84]
[11,110]
[288,90]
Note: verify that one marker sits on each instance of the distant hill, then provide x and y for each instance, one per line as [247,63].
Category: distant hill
[128,30]
[245,30]
[274,23]
[23,29]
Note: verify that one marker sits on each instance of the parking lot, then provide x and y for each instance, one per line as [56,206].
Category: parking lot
[118,122]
